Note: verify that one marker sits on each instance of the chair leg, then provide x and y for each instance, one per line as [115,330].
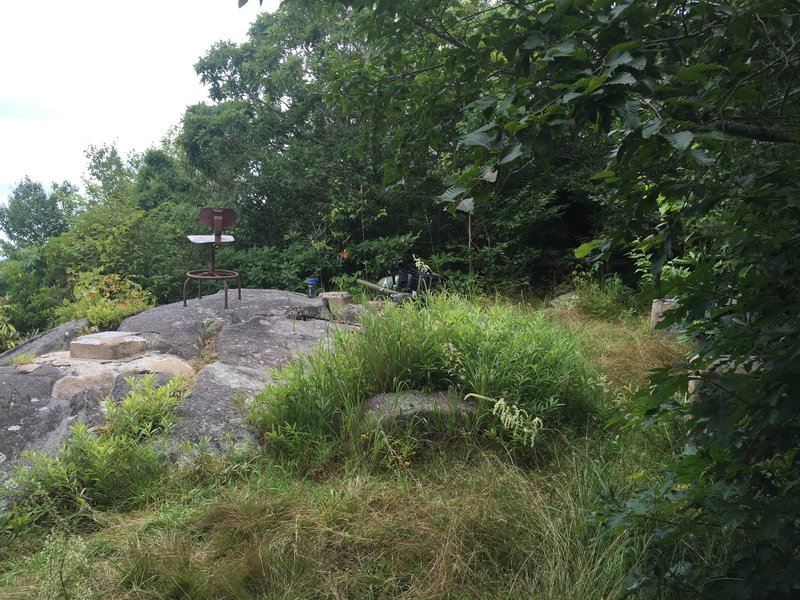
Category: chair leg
[225,285]
[185,283]
[239,285]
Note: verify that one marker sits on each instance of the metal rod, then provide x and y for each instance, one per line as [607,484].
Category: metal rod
[376,287]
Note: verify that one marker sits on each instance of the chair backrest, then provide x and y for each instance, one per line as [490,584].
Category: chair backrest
[217,219]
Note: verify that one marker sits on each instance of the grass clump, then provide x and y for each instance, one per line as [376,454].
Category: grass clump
[607,298]
[494,352]
[23,359]
[116,466]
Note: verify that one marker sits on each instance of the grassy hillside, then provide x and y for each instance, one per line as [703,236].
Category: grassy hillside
[500,504]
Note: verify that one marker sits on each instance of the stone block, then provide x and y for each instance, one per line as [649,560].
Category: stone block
[658,308]
[108,345]
[336,302]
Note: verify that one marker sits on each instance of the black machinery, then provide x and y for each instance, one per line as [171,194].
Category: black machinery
[407,281]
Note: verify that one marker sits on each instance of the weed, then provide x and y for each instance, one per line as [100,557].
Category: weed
[66,568]
[117,467]
[495,351]
[24,358]
[607,298]
[9,336]
[211,327]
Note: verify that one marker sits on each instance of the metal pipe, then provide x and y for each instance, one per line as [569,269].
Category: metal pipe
[376,287]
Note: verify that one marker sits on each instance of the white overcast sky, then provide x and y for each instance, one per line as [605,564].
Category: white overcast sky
[81,72]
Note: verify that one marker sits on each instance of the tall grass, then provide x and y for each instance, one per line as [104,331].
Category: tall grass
[495,352]
[466,526]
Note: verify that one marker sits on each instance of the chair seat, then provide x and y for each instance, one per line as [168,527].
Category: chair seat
[208,239]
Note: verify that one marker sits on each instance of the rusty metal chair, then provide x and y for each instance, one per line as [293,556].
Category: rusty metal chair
[217,219]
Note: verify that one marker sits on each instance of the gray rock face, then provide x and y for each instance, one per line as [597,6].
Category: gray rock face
[402,407]
[108,345]
[24,406]
[181,329]
[32,418]
[658,308]
[235,350]
[214,410]
[49,341]
[242,344]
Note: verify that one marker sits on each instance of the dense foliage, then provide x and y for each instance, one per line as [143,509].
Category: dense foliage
[34,214]
[701,102]
[307,177]
[341,130]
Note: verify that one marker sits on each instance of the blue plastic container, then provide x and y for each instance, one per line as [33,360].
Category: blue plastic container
[312,287]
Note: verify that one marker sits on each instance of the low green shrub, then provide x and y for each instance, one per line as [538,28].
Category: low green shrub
[115,466]
[608,298]
[9,336]
[106,300]
[23,359]
[497,352]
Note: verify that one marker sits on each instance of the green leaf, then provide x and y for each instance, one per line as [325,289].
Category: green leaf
[628,111]
[697,72]
[622,47]
[618,9]
[467,205]
[701,157]
[563,49]
[453,192]
[483,102]
[680,140]
[652,127]
[620,58]
[503,107]
[623,78]
[535,40]
[478,138]
[584,250]
[591,83]
[514,153]
[514,126]
[606,175]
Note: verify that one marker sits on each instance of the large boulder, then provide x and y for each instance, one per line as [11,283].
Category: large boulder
[183,330]
[415,407]
[233,351]
[243,344]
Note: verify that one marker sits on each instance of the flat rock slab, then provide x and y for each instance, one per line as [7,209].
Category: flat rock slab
[401,407]
[243,344]
[108,345]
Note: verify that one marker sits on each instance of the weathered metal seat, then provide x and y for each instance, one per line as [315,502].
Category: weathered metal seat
[217,219]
